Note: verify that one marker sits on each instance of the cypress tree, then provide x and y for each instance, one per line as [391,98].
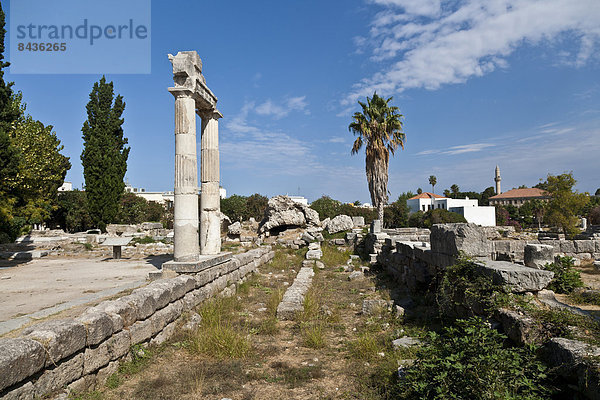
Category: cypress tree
[104,156]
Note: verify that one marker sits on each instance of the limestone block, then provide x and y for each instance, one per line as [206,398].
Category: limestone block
[501,246]
[83,384]
[571,358]
[517,277]
[371,307]
[375,226]
[165,334]
[144,304]
[19,359]
[340,223]
[105,373]
[58,377]
[314,254]
[24,392]
[98,326]
[567,246]
[166,315]
[538,255]
[358,222]
[314,246]
[119,344]
[519,328]
[140,331]
[95,358]
[125,310]
[451,239]
[584,246]
[161,293]
[293,298]
[60,338]
[235,229]
[597,242]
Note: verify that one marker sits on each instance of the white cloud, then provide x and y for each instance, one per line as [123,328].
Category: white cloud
[428,44]
[461,149]
[278,111]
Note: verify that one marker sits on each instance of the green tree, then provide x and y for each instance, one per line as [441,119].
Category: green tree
[565,204]
[597,192]
[397,213]
[235,207]
[41,169]
[486,194]
[9,155]
[533,210]
[379,128]
[447,193]
[104,156]
[72,213]
[432,182]
[326,207]
[419,191]
[256,205]
[455,190]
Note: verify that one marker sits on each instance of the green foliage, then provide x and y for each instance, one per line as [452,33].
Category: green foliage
[585,297]
[594,216]
[465,291]
[326,207]
[104,156]
[565,204]
[397,213]
[432,182]
[72,213]
[566,278]
[242,208]
[470,361]
[427,219]
[135,210]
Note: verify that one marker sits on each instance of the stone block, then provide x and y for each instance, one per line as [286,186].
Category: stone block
[538,255]
[23,392]
[144,304]
[105,373]
[118,345]
[451,239]
[314,254]
[165,334]
[166,315]
[60,338]
[60,376]
[501,246]
[597,243]
[517,277]
[140,331]
[519,328]
[83,384]
[371,307]
[340,223]
[584,246]
[98,326]
[358,221]
[19,359]
[157,290]
[125,310]
[567,246]
[95,358]
[375,226]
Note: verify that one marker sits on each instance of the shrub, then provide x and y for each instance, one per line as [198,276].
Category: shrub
[469,361]
[566,279]
[594,216]
[326,207]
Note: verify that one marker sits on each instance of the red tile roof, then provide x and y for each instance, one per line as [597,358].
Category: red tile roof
[427,195]
[521,193]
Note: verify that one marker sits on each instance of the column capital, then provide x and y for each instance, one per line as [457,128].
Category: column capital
[209,114]
[179,92]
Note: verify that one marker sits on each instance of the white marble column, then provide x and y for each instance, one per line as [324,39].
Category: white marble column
[185,223]
[210,202]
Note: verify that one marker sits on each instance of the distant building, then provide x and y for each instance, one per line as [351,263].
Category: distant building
[299,199]
[167,198]
[470,209]
[517,197]
[66,187]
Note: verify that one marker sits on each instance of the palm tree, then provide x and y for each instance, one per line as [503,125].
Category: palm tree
[432,182]
[379,128]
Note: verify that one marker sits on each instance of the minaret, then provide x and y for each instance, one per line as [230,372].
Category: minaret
[497,179]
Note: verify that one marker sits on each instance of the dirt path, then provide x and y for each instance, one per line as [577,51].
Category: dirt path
[241,351]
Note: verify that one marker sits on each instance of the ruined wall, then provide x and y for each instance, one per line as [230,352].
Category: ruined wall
[83,352]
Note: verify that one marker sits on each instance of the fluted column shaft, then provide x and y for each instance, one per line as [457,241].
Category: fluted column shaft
[185,222]
[210,202]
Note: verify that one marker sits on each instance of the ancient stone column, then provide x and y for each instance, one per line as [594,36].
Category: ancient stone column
[210,202]
[185,223]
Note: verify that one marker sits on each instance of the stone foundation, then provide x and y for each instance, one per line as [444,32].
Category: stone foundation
[80,354]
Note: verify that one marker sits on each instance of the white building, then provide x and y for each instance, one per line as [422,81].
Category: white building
[166,198]
[299,199]
[470,209]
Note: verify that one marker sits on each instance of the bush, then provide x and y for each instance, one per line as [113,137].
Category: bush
[469,361]
[326,207]
[242,208]
[72,213]
[594,216]
[566,279]
[420,219]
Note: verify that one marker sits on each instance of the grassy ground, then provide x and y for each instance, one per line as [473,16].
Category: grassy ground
[241,350]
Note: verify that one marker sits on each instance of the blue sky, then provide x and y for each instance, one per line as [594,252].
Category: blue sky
[480,83]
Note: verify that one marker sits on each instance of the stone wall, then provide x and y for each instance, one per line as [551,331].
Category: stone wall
[81,353]
[579,249]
